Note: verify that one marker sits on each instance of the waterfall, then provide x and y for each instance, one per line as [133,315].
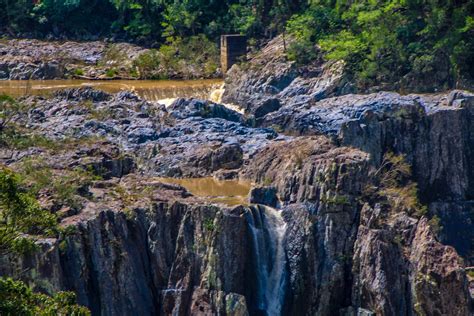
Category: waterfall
[268,231]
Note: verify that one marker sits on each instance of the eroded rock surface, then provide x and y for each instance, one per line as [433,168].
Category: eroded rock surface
[28,59]
[333,247]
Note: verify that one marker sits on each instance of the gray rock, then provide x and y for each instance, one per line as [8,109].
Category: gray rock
[264,195]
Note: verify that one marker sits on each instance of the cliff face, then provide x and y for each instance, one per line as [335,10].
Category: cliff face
[323,240]
[372,257]
[167,259]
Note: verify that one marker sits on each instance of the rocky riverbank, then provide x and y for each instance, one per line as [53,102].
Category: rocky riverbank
[31,59]
[357,204]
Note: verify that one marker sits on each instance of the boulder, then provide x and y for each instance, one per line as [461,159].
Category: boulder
[264,195]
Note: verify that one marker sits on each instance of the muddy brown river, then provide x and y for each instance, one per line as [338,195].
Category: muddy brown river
[229,192]
[152,90]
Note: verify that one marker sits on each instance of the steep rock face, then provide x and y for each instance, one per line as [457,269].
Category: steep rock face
[439,283]
[400,267]
[164,260]
[319,189]
[144,247]
[366,259]
[309,169]
[438,143]
[379,267]
[457,226]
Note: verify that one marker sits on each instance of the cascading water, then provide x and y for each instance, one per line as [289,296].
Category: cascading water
[268,229]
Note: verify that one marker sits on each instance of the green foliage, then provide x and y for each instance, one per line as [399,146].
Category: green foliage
[20,215]
[336,200]
[209,224]
[395,43]
[16,298]
[414,42]
[309,28]
[184,57]
[392,183]
[64,186]
[78,72]
[147,65]
[153,21]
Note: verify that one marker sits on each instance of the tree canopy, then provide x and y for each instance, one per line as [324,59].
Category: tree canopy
[382,42]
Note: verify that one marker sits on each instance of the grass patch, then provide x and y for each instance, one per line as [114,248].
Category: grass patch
[470,273]
[64,186]
[111,72]
[392,183]
[113,56]
[78,72]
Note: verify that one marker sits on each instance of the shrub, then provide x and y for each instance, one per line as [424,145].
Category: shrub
[209,224]
[78,72]
[111,72]
[192,57]
[21,215]
[16,298]
[147,64]
[392,183]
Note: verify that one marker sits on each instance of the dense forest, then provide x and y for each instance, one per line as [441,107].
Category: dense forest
[382,41]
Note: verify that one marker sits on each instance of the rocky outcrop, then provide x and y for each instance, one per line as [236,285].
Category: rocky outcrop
[136,245]
[432,131]
[190,138]
[367,258]
[185,108]
[264,196]
[456,226]
[164,260]
[310,169]
[397,268]
[269,79]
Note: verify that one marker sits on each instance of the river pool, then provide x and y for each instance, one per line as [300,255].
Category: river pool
[230,192]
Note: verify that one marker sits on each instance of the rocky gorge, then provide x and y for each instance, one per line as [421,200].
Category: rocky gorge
[361,204]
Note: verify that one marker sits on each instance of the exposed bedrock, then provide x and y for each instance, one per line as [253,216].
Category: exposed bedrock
[366,258]
[29,59]
[191,138]
[170,259]
[324,249]
[433,132]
